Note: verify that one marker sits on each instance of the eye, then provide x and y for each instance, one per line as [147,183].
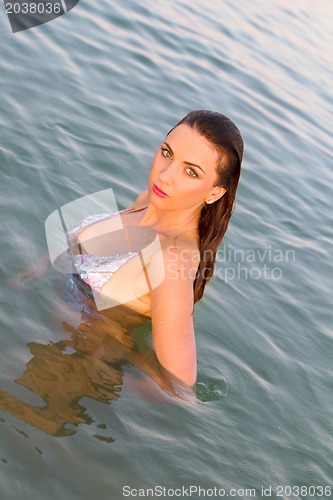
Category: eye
[191,172]
[165,152]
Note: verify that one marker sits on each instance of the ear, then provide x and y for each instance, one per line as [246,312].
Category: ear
[216,193]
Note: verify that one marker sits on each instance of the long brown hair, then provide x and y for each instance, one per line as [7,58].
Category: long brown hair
[223,134]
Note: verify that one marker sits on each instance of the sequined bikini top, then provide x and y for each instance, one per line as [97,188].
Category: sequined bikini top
[96,270]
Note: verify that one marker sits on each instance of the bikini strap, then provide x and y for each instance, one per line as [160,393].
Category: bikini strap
[134,209]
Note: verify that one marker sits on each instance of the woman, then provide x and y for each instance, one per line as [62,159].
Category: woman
[188,203]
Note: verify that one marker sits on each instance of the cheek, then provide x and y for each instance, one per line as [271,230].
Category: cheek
[192,192]
[200,191]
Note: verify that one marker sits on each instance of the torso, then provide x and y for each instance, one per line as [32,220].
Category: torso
[91,242]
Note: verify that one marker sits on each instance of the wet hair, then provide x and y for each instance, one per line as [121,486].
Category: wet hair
[225,137]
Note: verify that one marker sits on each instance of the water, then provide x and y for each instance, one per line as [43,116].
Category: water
[85,101]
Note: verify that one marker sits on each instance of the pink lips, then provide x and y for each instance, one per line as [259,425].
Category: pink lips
[159,192]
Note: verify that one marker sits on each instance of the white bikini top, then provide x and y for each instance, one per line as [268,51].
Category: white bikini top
[96,270]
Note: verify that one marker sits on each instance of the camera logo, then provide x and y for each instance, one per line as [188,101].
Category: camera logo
[26,14]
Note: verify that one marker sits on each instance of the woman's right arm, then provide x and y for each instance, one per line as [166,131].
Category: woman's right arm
[172,316]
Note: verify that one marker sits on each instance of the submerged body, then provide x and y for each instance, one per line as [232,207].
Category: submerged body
[124,280]
[187,207]
[148,263]
[157,265]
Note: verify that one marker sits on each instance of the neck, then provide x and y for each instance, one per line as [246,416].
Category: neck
[171,222]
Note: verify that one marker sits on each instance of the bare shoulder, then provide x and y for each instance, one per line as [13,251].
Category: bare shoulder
[174,267]
[184,251]
[142,199]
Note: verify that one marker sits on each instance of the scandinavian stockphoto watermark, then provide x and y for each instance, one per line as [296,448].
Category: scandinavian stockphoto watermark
[26,14]
[195,491]
[232,264]
[252,264]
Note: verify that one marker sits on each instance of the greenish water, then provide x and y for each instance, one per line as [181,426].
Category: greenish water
[85,101]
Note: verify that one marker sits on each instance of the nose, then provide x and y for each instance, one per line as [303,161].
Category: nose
[167,173]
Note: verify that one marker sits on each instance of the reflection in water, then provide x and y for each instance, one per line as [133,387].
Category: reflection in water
[88,364]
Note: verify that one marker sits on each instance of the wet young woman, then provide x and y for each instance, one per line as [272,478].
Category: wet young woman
[188,204]
[150,262]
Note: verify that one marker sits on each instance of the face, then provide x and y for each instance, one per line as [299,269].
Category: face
[184,169]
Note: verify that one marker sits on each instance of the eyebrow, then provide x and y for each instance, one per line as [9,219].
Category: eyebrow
[186,162]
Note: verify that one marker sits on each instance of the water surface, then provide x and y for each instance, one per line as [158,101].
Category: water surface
[86,100]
